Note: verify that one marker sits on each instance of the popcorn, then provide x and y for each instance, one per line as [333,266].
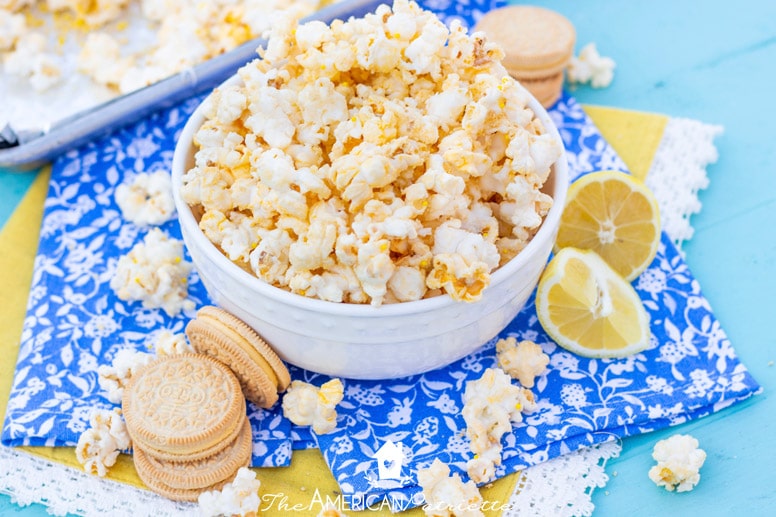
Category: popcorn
[146,199]
[240,497]
[100,58]
[523,361]
[168,343]
[377,160]
[447,495]
[678,463]
[591,67]
[30,60]
[305,404]
[99,446]
[12,27]
[114,378]
[491,405]
[154,273]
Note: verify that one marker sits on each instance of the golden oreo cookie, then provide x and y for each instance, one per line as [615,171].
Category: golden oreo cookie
[183,404]
[197,475]
[537,42]
[547,90]
[224,336]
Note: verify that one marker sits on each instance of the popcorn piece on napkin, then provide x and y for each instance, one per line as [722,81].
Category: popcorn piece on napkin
[114,378]
[240,497]
[523,361]
[491,405]
[146,199]
[99,446]
[678,463]
[447,495]
[169,343]
[154,273]
[305,404]
[591,67]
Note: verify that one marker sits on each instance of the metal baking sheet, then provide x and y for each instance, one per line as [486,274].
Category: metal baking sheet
[38,149]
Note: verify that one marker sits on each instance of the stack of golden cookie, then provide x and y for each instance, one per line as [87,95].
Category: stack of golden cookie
[538,44]
[186,413]
[187,419]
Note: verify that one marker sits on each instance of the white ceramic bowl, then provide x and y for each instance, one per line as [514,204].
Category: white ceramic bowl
[361,341]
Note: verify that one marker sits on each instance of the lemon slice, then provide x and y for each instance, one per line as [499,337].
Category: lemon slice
[615,215]
[588,308]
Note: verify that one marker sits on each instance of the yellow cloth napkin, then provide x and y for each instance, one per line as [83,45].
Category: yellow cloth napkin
[634,135]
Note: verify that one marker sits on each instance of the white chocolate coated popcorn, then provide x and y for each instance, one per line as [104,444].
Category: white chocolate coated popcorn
[591,67]
[240,497]
[447,495]
[306,404]
[169,343]
[99,446]
[12,27]
[491,405]
[679,461]
[523,361]
[384,159]
[30,60]
[146,199]
[114,378]
[154,273]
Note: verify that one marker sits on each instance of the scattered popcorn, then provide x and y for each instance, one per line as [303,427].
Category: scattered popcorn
[146,199]
[15,5]
[169,343]
[30,60]
[447,495]
[99,446]
[678,463]
[523,361]
[12,27]
[154,273]
[591,67]
[114,378]
[491,405]
[100,58]
[240,497]
[383,159]
[305,404]
[94,13]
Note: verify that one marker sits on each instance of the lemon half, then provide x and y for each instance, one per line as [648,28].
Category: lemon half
[588,308]
[615,215]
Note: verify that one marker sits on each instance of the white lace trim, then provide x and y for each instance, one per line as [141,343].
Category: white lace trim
[32,479]
[562,486]
[678,172]
[559,487]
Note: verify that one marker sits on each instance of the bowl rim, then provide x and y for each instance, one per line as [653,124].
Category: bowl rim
[183,153]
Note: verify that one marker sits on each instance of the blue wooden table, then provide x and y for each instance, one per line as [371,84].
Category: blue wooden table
[714,61]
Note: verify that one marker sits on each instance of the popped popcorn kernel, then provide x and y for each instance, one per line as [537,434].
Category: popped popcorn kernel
[154,273]
[99,446]
[678,463]
[146,199]
[169,343]
[591,67]
[523,361]
[239,497]
[491,405]
[306,404]
[355,152]
[114,378]
[447,495]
